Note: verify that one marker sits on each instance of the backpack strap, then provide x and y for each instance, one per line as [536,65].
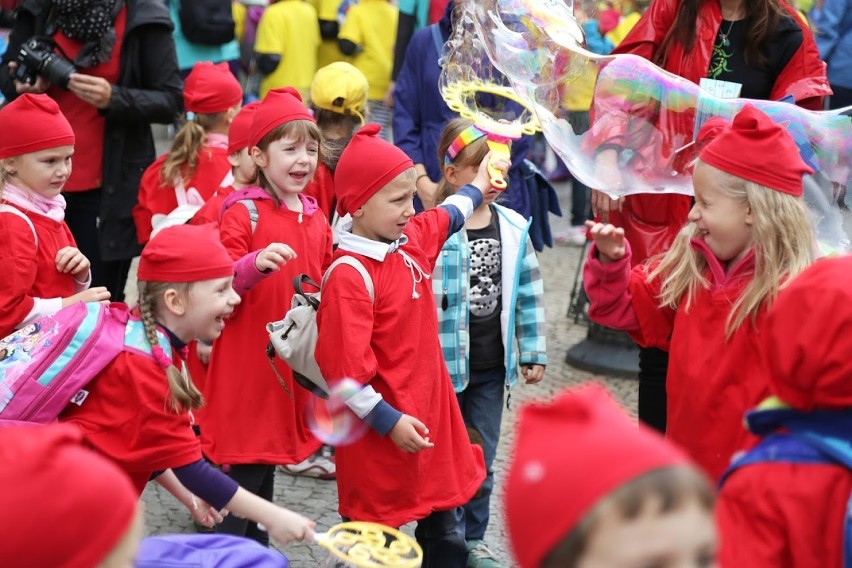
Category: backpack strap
[4,208]
[252,211]
[246,197]
[356,264]
[136,339]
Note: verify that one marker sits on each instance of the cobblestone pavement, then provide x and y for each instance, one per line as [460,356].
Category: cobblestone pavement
[318,499]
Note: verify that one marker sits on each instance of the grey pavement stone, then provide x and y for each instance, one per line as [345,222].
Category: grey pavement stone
[318,499]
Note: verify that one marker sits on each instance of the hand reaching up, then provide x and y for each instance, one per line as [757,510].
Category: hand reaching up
[609,241]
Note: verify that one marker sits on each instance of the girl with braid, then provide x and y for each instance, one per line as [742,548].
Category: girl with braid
[139,408]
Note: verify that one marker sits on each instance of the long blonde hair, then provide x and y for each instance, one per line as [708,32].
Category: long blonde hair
[783,246]
[185,396]
[182,159]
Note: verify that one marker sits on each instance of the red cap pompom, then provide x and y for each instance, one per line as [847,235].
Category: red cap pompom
[31,123]
[276,108]
[210,88]
[366,165]
[754,148]
[185,253]
[549,489]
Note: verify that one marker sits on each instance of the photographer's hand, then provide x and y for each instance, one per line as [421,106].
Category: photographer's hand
[94,90]
[37,88]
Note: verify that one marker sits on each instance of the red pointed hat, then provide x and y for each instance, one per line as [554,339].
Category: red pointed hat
[240,129]
[51,479]
[276,108]
[366,165]
[31,123]
[755,148]
[210,88]
[549,491]
[806,341]
[185,253]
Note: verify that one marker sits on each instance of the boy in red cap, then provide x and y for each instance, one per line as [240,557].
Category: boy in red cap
[52,483]
[786,502]
[615,495]
[705,300]
[43,270]
[180,181]
[138,410]
[416,461]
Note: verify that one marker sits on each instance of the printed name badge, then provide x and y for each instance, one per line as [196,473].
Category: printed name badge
[712,105]
[79,397]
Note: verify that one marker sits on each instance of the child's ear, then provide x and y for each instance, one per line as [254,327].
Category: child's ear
[451,173]
[234,159]
[231,113]
[9,165]
[174,301]
[358,213]
[749,219]
[259,156]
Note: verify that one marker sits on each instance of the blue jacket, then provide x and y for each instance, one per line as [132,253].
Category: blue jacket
[832,24]
[522,316]
[420,113]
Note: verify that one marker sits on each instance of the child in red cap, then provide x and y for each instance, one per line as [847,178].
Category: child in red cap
[251,423]
[139,408]
[49,480]
[705,300]
[786,502]
[416,461]
[180,181]
[43,270]
[615,495]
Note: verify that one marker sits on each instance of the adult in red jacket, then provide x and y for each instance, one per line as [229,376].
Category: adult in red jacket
[760,44]
[783,514]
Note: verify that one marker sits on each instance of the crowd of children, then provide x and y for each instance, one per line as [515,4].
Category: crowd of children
[244,202]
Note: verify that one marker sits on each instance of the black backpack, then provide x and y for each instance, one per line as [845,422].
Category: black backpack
[208,22]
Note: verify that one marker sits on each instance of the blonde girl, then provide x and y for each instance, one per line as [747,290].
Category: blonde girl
[180,181]
[706,298]
[139,408]
[43,270]
[251,422]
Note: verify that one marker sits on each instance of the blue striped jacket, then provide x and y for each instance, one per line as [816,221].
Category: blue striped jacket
[522,316]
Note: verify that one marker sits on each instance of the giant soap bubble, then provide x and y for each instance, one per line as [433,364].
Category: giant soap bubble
[530,52]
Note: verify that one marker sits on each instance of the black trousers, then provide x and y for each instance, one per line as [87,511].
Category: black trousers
[260,480]
[81,214]
[653,366]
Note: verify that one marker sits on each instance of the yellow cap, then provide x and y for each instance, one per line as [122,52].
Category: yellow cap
[340,87]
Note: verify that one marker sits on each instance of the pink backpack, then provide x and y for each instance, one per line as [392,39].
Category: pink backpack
[45,365]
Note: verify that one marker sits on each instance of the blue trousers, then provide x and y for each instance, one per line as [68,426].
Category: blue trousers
[481,406]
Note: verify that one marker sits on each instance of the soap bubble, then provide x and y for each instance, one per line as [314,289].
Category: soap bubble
[649,116]
[331,420]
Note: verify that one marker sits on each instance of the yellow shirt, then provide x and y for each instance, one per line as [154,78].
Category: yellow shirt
[625,24]
[372,24]
[289,28]
[328,51]
[238,12]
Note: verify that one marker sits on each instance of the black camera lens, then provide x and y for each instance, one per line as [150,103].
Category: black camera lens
[36,57]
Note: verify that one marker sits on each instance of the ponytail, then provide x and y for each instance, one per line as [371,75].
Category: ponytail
[182,159]
[185,396]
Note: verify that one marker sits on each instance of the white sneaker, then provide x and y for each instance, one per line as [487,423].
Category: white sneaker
[318,465]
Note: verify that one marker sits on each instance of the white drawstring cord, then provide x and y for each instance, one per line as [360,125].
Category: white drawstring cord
[417,274]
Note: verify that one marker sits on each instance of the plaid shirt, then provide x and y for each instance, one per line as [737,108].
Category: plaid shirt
[522,318]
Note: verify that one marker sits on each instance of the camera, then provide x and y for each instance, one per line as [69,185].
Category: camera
[36,57]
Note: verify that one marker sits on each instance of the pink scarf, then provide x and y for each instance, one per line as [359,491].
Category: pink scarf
[50,207]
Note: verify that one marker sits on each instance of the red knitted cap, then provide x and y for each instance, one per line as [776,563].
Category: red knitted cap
[185,253]
[31,123]
[366,165]
[240,129]
[276,108]
[210,88]
[806,340]
[55,486]
[550,489]
[755,148]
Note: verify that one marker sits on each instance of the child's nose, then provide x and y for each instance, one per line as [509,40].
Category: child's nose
[693,214]
[235,299]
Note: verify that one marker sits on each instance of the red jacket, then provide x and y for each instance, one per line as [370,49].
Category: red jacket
[712,381]
[652,221]
[155,199]
[321,188]
[28,271]
[249,418]
[783,515]
[392,343]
